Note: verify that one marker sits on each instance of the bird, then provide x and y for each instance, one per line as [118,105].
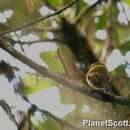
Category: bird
[98,77]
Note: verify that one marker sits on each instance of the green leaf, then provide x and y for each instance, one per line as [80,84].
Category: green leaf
[51,124]
[55,3]
[120,71]
[102,23]
[24,11]
[34,83]
[127,2]
[79,6]
[6,4]
[48,124]
[53,61]
[125,47]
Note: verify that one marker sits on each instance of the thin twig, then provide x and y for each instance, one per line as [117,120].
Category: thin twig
[43,71]
[124,10]
[40,19]
[54,30]
[13,42]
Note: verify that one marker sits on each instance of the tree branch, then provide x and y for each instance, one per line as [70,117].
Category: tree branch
[13,42]
[7,109]
[40,19]
[60,121]
[124,10]
[54,30]
[84,89]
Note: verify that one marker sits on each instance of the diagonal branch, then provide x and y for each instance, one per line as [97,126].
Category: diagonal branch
[13,42]
[40,19]
[124,10]
[7,109]
[54,30]
[84,89]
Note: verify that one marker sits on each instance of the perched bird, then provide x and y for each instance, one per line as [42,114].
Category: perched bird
[98,77]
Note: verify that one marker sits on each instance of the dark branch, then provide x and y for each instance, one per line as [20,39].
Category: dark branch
[124,10]
[7,109]
[40,19]
[84,89]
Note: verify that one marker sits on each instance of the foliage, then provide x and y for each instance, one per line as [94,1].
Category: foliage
[86,45]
